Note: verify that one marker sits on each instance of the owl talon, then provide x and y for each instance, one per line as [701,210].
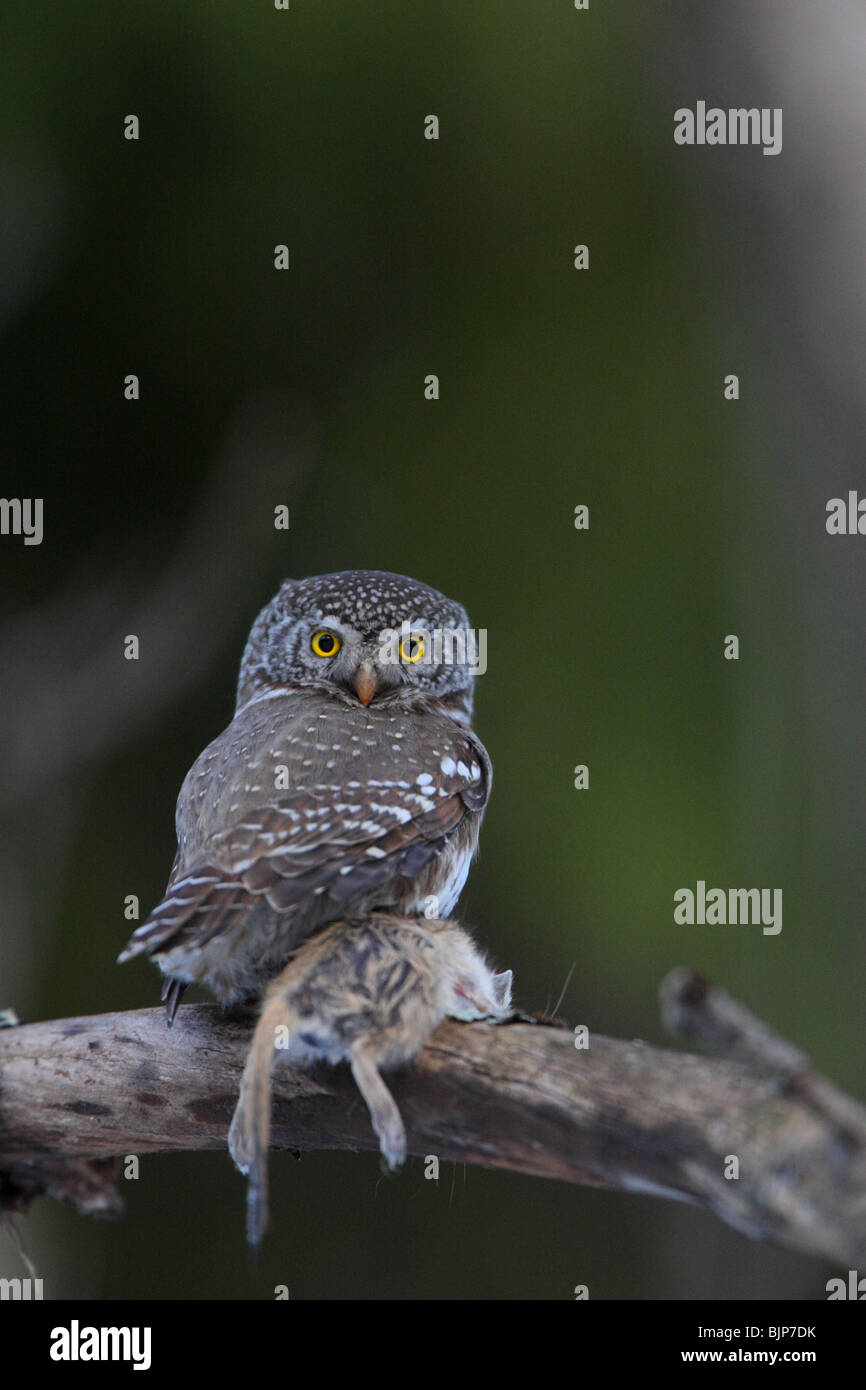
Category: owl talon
[172,992]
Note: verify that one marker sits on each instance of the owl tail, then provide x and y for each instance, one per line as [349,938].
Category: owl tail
[383,1108]
[250,1132]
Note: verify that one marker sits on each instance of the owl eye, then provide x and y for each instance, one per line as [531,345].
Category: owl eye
[325,643]
[411,649]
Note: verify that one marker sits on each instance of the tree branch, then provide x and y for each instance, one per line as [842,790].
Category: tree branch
[518,1096]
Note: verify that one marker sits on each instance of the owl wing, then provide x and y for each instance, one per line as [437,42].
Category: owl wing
[335,843]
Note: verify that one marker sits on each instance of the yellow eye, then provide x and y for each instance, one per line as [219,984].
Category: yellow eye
[411,649]
[325,643]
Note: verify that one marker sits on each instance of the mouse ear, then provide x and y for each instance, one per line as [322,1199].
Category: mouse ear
[502,989]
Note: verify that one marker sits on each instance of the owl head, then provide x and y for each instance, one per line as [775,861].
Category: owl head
[365,636]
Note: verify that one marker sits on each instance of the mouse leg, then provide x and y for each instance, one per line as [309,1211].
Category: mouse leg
[383,1108]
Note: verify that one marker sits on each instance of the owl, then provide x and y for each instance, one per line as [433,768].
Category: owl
[368,991]
[349,781]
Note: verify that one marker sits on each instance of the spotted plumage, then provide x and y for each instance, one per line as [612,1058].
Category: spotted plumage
[348,781]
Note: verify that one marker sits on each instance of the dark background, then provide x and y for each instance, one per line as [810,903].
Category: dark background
[558,387]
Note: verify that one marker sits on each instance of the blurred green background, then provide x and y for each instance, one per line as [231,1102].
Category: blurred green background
[558,387]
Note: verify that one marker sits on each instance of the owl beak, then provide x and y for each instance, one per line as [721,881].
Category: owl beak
[365,682]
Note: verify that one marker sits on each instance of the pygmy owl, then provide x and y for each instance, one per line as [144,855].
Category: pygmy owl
[368,991]
[349,780]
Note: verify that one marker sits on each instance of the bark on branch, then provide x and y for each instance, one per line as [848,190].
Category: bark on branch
[518,1096]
